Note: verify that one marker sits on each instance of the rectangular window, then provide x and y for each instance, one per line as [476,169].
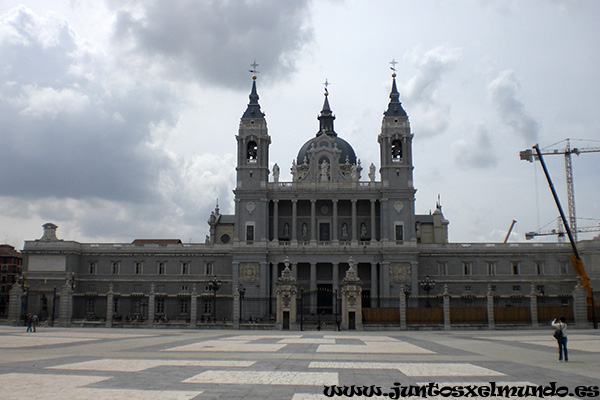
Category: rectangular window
[115,266]
[563,269]
[249,233]
[442,268]
[115,305]
[91,305]
[491,268]
[162,268]
[207,307]
[539,268]
[138,267]
[399,232]
[93,267]
[516,288]
[208,268]
[160,305]
[183,306]
[515,268]
[185,268]
[468,289]
[467,268]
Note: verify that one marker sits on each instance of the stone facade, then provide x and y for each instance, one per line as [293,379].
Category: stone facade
[327,219]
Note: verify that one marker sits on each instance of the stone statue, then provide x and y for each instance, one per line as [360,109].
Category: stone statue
[294,171]
[344,230]
[372,173]
[304,230]
[354,172]
[276,173]
[324,175]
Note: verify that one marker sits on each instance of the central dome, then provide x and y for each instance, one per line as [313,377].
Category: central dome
[326,119]
[347,152]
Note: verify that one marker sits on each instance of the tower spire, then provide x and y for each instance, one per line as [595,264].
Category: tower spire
[395,106]
[253,110]
[326,118]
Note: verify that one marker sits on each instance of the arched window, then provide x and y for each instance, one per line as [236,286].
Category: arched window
[396,150]
[252,153]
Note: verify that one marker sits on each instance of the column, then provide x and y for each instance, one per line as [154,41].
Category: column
[274,277]
[110,297]
[66,305]
[384,217]
[151,306]
[385,279]
[373,221]
[490,308]
[263,279]
[447,322]
[14,304]
[533,306]
[295,270]
[313,220]
[194,306]
[236,307]
[334,228]
[374,285]
[313,287]
[335,270]
[275,220]
[294,220]
[580,306]
[402,311]
[354,221]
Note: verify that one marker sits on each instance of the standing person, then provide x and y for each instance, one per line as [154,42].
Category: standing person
[29,321]
[561,337]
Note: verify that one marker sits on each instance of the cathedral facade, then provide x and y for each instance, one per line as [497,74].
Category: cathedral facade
[335,215]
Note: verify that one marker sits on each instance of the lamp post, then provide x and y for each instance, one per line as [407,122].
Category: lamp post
[242,292]
[214,285]
[427,284]
[407,290]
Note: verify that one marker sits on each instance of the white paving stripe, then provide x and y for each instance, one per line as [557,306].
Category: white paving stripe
[374,348]
[232,346]
[50,387]
[250,338]
[32,340]
[364,338]
[412,369]
[266,378]
[307,341]
[128,365]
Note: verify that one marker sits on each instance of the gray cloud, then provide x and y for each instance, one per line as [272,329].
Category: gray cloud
[213,40]
[70,134]
[503,90]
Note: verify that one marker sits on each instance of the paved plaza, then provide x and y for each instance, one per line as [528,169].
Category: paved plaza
[98,363]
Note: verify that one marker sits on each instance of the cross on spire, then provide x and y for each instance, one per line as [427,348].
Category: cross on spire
[326,84]
[254,71]
[393,67]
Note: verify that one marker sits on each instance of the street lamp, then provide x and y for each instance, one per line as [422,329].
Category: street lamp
[407,290]
[427,284]
[241,292]
[214,285]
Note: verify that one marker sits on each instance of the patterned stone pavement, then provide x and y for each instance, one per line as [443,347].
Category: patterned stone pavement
[97,363]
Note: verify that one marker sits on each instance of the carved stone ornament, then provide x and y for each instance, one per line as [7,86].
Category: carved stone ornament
[398,206]
[249,272]
[250,206]
[400,272]
[286,277]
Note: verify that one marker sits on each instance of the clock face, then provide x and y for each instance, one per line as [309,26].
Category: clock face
[398,206]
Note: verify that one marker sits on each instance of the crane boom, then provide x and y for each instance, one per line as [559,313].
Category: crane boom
[576,258]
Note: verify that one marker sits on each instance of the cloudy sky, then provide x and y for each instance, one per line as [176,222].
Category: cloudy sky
[118,118]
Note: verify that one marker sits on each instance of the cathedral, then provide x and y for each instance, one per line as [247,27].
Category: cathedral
[336,216]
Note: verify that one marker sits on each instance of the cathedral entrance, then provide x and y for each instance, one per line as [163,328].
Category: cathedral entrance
[319,309]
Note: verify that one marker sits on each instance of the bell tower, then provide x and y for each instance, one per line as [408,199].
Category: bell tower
[251,203]
[395,143]
[253,145]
